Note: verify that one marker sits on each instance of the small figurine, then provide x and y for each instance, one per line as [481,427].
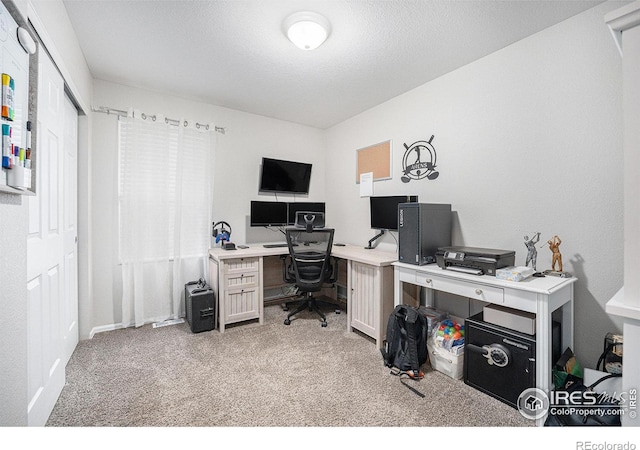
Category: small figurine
[532,252]
[554,243]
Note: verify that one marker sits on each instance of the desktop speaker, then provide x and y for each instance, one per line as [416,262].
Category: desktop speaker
[422,228]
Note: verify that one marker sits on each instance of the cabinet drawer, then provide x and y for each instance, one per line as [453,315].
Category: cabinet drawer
[241,304]
[242,280]
[475,291]
[239,265]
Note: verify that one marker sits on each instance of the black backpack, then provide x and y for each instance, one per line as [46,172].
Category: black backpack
[405,346]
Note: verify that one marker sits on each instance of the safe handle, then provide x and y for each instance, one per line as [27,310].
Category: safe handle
[208,312]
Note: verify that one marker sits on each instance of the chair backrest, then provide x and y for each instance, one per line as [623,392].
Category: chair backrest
[310,252]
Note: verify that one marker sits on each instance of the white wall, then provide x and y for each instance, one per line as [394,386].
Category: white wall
[528,139]
[14,223]
[238,156]
[13,306]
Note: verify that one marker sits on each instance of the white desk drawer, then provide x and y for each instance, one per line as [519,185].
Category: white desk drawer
[241,280]
[239,265]
[476,291]
[241,304]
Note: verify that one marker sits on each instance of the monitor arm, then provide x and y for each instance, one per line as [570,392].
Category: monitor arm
[369,247]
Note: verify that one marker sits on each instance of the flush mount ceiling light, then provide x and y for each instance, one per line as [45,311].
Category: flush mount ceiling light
[307,30]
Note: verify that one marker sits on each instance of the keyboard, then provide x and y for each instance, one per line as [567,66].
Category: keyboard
[275,245]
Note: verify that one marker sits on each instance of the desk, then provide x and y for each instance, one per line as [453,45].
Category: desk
[237,279]
[541,296]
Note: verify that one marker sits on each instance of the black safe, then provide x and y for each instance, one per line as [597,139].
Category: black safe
[199,306]
[499,361]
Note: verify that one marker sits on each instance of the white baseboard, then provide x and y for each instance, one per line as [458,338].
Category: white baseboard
[103,328]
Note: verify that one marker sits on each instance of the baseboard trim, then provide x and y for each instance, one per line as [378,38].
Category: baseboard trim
[103,328]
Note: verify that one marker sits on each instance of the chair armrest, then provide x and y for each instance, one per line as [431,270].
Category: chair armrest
[334,270]
[285,276]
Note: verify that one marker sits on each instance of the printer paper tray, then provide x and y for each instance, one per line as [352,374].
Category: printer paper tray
[468,270]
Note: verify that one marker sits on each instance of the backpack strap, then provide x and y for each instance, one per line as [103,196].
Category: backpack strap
[414,390]
[411,320]
[392,336]
[414,375]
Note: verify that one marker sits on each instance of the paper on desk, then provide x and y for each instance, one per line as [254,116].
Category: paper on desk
[366,184]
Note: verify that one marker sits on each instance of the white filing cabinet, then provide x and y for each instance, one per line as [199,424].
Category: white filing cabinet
[241,296]
[238,286]
[370,291]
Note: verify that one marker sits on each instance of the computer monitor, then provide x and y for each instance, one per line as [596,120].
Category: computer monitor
[384,210]
[295,207]
[268,214]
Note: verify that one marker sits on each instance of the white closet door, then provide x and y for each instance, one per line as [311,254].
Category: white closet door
[69,319]
[51,246]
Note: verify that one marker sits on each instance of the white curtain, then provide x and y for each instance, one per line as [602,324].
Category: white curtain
[165,199]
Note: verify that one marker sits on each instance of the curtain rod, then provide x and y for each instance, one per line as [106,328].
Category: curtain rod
[122,113]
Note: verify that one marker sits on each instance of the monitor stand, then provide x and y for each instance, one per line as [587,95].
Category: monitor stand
[369,247]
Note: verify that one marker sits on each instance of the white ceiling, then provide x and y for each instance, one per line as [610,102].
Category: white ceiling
[233,53]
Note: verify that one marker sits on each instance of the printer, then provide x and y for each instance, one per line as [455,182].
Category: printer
[477,261]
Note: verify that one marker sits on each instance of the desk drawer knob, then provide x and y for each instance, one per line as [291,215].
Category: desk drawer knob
[478,291]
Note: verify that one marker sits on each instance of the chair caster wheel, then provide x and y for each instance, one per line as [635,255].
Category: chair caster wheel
[285,308]
[338,311]
[287,322]
[324,324]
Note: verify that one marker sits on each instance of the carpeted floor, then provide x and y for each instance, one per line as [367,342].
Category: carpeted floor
[258,376]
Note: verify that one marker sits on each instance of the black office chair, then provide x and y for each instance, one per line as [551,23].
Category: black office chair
[309,266]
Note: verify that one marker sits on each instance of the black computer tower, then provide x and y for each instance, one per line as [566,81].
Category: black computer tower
[502,362]
[199,306]
[422,228]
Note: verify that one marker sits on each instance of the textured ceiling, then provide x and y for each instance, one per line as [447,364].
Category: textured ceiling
[233,53]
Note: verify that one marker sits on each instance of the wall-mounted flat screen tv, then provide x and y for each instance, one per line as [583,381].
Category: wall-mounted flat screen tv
[295,207]
[384,210]
[285,176]
[268,214]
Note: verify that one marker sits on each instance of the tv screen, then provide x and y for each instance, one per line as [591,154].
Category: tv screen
[384,210]
[303,207]
[284,176]
[268,214]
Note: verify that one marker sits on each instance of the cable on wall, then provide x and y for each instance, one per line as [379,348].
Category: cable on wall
[121,113]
